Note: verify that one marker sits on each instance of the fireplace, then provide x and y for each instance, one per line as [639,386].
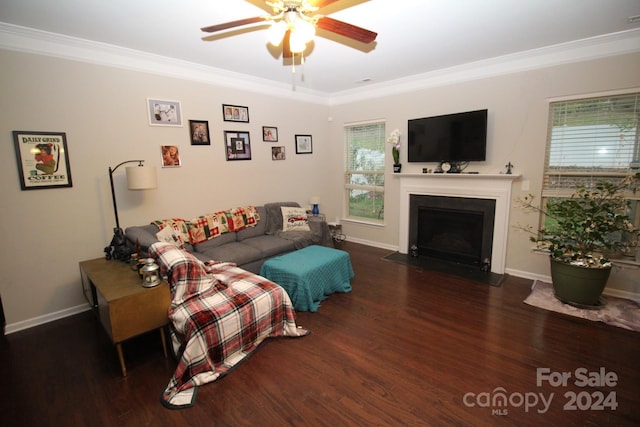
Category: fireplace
[495,187]
[452,228]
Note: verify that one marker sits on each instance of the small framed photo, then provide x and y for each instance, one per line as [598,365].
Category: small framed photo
[199,131]
[164,113]
[304,144]
[43,159]
[235,113]
[278,153]
[170,156]
[237,145]
[269,134]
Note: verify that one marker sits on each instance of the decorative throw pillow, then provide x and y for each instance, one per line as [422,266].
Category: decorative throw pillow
[294,219]
[178,225]
[169,235]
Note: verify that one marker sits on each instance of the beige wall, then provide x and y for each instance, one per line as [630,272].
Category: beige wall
[103,112]
[518,108]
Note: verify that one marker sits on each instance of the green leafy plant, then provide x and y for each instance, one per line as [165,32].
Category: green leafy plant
[592,223]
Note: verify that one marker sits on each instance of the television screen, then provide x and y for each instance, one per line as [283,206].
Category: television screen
[460,137]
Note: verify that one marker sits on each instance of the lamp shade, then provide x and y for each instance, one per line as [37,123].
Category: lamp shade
[141,177]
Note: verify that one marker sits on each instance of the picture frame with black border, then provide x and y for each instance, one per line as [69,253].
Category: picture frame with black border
[278,153]
[237,145]
[43,159]
[164,112]
[269,134]
[304,144]
[199,132]
[235,113]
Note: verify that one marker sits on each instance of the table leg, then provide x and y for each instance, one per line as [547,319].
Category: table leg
[121,358]
[164,342]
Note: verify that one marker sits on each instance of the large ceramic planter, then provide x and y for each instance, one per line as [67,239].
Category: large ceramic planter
[577,285]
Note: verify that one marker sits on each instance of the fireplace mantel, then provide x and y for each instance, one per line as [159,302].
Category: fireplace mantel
[481,186]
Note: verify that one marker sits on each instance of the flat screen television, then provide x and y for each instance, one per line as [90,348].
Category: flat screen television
[460,137]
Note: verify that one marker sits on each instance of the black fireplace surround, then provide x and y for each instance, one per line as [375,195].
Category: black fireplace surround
[457,229]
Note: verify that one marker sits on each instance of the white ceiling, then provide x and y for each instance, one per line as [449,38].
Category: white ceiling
[414,36]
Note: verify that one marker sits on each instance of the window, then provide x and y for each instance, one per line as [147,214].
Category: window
[364,171]
[590,140]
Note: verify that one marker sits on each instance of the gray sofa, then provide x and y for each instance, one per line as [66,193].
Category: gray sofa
[250,247]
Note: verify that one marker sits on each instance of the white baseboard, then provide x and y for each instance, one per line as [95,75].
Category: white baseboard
[371,243]
[40,320]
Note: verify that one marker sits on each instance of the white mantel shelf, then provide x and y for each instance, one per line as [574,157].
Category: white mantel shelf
[459,175]
[483,186]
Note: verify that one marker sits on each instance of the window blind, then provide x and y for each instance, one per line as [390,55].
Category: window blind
[364,170]
[589,140]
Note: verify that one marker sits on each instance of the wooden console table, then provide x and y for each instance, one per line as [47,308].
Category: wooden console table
[124,307]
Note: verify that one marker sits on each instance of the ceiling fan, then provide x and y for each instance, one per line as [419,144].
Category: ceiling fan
[293,24]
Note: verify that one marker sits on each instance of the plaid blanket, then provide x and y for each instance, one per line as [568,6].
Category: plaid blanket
[219,315]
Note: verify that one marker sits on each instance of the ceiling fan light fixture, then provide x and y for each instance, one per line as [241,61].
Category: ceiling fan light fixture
[276,32]
[305,30]
[296,43]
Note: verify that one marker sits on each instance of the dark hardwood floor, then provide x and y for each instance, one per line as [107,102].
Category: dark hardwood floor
[405,347]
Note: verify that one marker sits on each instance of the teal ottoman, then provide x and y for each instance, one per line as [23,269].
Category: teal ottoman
[309,275]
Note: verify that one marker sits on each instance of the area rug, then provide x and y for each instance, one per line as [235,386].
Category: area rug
[616,311]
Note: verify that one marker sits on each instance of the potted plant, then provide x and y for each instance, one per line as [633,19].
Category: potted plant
[394,139]
[581,233]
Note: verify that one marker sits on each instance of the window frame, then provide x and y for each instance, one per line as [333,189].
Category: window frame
[551,192]
[377,189]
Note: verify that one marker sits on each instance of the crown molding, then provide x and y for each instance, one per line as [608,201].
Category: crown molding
[613,44]
[28,40]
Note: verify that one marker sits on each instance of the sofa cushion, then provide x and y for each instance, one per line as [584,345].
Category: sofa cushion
[270,245]
[236,252]
[258,230]
[223,239]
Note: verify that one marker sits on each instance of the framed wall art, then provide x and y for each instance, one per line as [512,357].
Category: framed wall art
[235,113]
[269,134]
[278,153]
[170,156]
[237,145]
[43,159]
[199,132]
[164,113]
[304,144]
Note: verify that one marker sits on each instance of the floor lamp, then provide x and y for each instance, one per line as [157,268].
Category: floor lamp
[138,178]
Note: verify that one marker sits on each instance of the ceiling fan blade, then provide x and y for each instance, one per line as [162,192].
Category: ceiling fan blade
[232,24]
[347,30]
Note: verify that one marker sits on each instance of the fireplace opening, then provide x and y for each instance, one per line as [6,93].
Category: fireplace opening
[453,229]
[451,234]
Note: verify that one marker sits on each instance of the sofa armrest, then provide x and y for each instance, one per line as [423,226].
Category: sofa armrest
[320,231]
[143,235]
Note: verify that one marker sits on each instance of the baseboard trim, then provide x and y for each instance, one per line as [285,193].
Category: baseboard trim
[41,320]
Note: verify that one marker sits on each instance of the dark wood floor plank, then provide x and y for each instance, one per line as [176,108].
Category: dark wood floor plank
[403,348]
